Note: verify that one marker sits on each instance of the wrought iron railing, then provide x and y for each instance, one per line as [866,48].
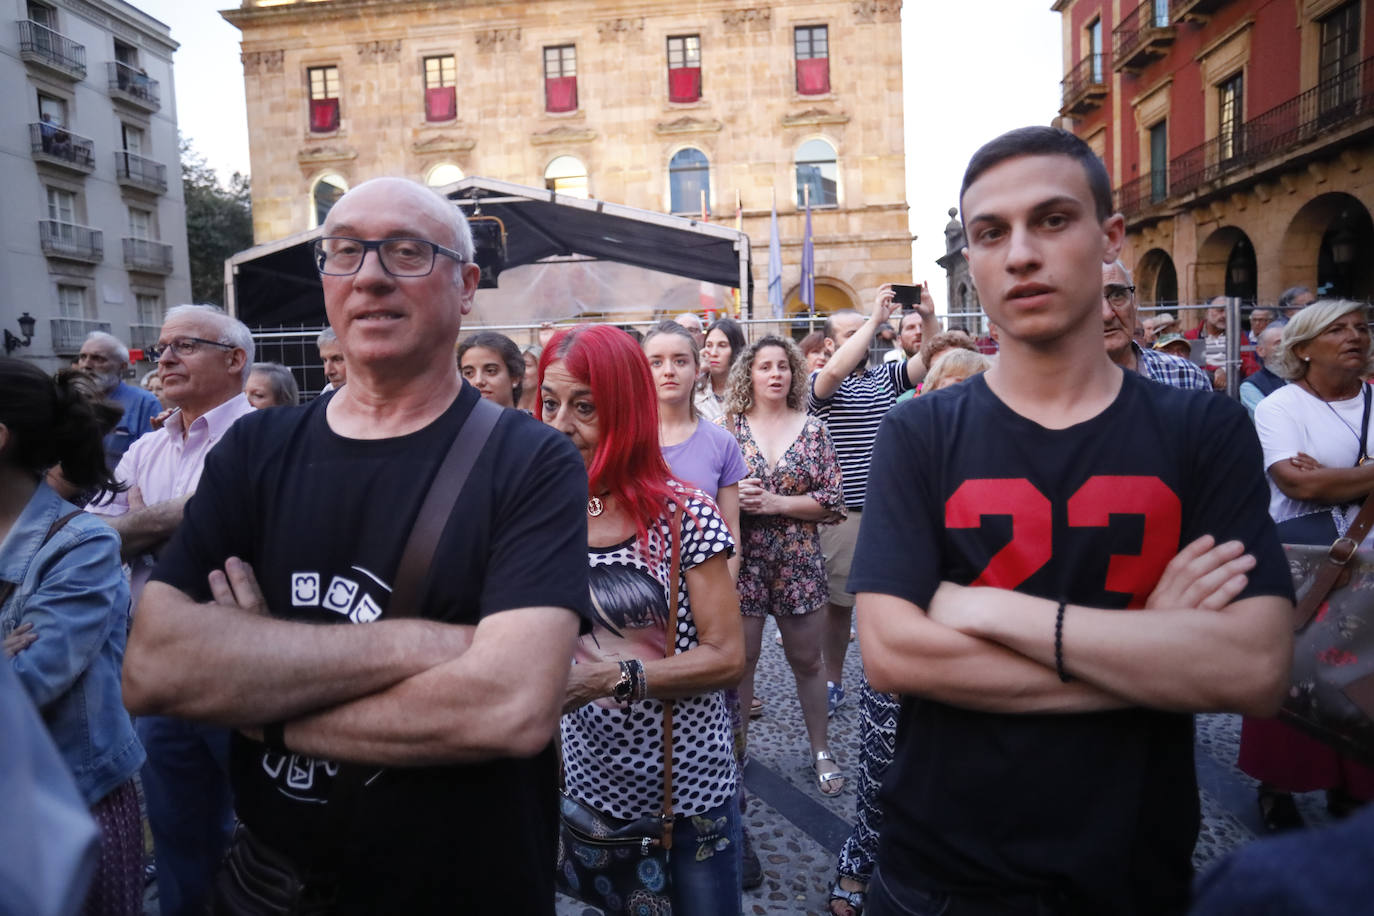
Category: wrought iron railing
[142,254]
[68,334]
[1143,22]
[131,82]
[52,47]
[55,142]
[1135,197]
[1086,74]
[146,173]
[70,240]
[1329,105]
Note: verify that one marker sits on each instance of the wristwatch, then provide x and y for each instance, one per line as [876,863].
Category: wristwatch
[623,691]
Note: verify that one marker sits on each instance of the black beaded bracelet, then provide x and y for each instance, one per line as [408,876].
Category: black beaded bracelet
[274,736]
[1059,645]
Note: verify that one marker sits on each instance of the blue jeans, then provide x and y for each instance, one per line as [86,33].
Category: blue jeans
[706,862]
[190,807]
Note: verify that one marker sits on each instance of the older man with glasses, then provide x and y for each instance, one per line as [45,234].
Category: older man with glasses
[1119,323]
[204,357]
[439,683]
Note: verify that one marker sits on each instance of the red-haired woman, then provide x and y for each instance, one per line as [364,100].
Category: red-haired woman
[596,387]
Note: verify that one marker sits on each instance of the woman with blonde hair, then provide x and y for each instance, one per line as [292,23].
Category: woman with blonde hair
[794,484]
[1317,444]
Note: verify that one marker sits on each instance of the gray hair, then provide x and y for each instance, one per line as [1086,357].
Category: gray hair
[1305,326]
[230,330]
[327,337]
[1287,296]
[1124,271]
[111,343]
[285,391]
[147,377]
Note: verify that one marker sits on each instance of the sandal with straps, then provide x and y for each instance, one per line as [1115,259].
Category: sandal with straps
[854,900]
[825,776]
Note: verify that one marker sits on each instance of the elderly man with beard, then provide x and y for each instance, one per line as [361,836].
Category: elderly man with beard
[1119,321]
[105,358]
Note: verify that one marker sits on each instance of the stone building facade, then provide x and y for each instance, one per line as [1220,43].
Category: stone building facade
[95,223]
[1237,134]
[657,106]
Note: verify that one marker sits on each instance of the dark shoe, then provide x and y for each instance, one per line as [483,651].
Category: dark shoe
[753,869]
[1341,803]
[1278,811]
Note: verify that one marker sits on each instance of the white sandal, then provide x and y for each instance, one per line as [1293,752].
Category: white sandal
[824,776]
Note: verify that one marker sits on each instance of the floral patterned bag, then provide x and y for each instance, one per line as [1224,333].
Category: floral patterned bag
[1331,695]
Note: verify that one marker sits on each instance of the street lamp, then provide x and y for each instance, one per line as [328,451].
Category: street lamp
[26,326]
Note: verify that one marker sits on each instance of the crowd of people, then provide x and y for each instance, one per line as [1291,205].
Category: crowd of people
[583,539]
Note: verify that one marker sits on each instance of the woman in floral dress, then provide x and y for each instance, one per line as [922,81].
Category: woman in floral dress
[793,486]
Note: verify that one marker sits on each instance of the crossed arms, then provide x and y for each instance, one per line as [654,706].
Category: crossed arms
[1192,648]
[395,692]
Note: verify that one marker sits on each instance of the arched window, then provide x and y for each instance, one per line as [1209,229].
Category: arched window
[445,173]
[817,170]
[324,194]
[567,175]
[689,181]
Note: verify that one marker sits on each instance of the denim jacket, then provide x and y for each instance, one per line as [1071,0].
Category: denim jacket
[72,589]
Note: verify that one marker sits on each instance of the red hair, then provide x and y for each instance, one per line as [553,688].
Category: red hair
[628,460]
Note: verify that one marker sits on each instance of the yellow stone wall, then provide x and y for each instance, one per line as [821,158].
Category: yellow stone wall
[749,122]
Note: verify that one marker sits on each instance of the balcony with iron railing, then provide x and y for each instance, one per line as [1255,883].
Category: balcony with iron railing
[58,146]
[1305,120]
[143,336]
[1194,10]
[134,171]
[1145,33]
[1085,86]
[147,256]
[133,85]
[58,239]
[54,51]
[1328,113]
[68,334]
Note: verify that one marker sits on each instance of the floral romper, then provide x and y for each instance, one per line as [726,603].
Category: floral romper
[783,570]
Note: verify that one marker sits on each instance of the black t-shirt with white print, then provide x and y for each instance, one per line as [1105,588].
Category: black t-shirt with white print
[323,520]
[1097,811]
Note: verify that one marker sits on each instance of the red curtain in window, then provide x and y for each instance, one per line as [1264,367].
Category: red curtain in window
[324,115]
[560,93]
[441,104]
[684,84]
[813,76]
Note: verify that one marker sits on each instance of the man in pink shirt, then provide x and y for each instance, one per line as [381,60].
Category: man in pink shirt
[204,358]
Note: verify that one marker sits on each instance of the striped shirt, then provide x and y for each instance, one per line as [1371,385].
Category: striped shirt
[852,414]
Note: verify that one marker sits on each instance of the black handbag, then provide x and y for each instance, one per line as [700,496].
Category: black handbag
[621,865]
[256,880]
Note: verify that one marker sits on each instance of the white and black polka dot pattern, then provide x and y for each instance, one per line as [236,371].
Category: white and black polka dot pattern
[613,756]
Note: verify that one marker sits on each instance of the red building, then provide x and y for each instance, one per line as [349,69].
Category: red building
[1239,135]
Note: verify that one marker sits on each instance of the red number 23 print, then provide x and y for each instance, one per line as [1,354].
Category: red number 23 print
[1092,506]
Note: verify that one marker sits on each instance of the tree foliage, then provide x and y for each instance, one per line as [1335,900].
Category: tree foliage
[219,222]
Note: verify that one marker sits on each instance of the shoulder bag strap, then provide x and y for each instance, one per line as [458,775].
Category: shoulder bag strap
[1337,558]
[1364,428]
[669,642]
[410,574]
[418,556]
[7,588]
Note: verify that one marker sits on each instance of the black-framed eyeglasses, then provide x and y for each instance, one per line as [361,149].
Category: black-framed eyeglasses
[340,256]
[1117,295]
[185,346]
